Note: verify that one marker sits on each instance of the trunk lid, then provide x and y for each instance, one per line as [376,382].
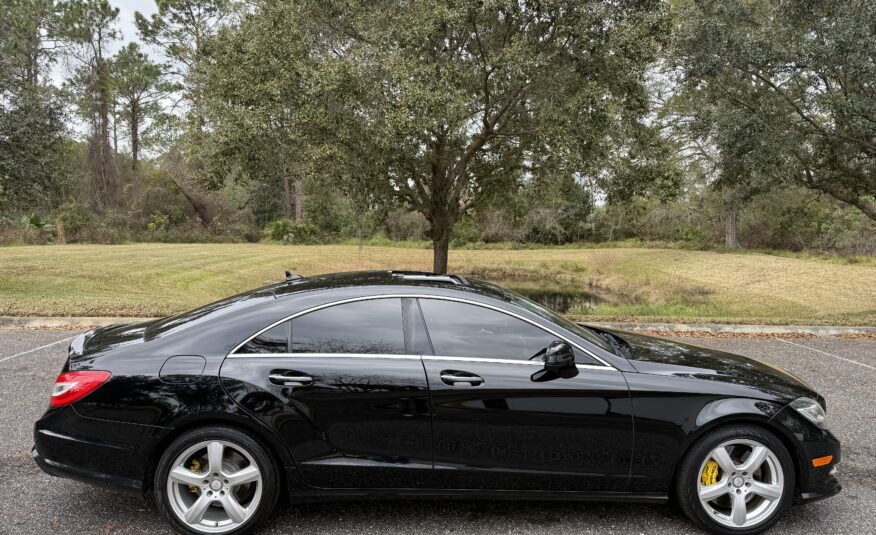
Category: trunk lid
[104,339]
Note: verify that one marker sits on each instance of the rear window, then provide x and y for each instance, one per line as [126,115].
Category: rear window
[204,313]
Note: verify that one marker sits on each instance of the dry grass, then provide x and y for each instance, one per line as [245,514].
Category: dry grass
[676,285]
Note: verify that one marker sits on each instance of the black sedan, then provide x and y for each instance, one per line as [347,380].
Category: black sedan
[407,384]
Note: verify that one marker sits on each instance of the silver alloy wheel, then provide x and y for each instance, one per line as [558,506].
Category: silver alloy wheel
[220,496]
[750,485]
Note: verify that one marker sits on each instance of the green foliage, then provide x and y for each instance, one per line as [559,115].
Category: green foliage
[157,222]
[33,165]
[442,106]
[87,27]
[290,231]
[158,194]
[27,52]
[180,26]
[33,156]
[502,124]
[257,104]
[277,229]
[139,87]
[44,229]
[72,221]
[88,21]
[183,30]
[783,90]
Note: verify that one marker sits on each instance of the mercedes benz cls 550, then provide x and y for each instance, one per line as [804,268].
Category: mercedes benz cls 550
[408,384]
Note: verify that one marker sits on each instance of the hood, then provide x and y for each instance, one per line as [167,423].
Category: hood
[659,356]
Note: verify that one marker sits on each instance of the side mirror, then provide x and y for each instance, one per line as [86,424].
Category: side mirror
[559,356]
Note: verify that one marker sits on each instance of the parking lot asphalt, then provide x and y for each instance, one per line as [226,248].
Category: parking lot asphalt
[32,502]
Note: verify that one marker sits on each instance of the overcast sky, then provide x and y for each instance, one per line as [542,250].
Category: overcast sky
[126,15]
[61,70]
[126,26]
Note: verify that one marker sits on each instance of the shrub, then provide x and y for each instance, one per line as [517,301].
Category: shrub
[72,222]
[290,231]
[303,233]
[158,222]
[44,229]
[405,225]
[277,229]
[16,232]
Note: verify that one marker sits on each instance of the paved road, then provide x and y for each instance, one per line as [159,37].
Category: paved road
[32,502]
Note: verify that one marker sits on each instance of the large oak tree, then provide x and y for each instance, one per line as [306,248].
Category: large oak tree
[444,104]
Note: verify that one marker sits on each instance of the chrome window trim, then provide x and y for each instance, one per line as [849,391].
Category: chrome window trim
[324,355]
[415,296]
[511,361]
[486,360]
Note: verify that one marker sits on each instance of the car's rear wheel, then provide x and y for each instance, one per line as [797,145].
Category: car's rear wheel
[736,480]
[216,480]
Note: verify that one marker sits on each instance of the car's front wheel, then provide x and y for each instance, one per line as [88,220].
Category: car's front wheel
[737,479]
[215,480]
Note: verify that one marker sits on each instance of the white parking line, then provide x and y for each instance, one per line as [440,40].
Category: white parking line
[36,349]
[828,354]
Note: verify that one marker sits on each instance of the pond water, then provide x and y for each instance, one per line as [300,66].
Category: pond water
[558,297]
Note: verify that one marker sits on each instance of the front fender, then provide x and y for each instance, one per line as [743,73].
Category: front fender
[810,442]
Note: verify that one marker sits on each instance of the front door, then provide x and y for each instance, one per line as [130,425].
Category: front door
[500,423]
[349,400]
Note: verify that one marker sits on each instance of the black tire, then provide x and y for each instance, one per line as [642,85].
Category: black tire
[263,459]
[688,475]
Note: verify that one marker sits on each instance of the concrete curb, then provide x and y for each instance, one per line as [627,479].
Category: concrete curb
[81,322]
[72,323]
[715,328]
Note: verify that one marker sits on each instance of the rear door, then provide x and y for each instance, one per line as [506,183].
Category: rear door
[342,389]
[499,425]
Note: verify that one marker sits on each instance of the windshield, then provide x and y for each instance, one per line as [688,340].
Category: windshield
[553,317]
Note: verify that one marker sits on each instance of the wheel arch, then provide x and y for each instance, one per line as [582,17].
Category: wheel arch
[751,419]
[272,445]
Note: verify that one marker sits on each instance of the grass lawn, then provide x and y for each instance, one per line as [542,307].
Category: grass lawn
[656,284]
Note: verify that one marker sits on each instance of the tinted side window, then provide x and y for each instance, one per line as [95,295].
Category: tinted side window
[274,340]
[372,326]
[463,330]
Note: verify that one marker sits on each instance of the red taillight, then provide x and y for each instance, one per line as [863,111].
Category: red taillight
[73,386]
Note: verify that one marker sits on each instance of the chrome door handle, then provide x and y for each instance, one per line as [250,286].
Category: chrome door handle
[458,378]
[299,380]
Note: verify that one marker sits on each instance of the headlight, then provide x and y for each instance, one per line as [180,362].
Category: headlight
[811,410]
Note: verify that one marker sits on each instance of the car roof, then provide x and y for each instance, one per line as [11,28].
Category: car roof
[402,280]
[227,321]
[377,282]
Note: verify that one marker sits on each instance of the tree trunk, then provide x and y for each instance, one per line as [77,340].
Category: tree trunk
[197,205]
[287,197]
[439,231]
[730,229]
[103,164]
[135,136]
[298,198]
[115,136]
[442,210]
[441,251]
[731,204]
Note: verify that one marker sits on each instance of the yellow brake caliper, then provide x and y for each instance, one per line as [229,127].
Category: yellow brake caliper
[195,467]
[710,473]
